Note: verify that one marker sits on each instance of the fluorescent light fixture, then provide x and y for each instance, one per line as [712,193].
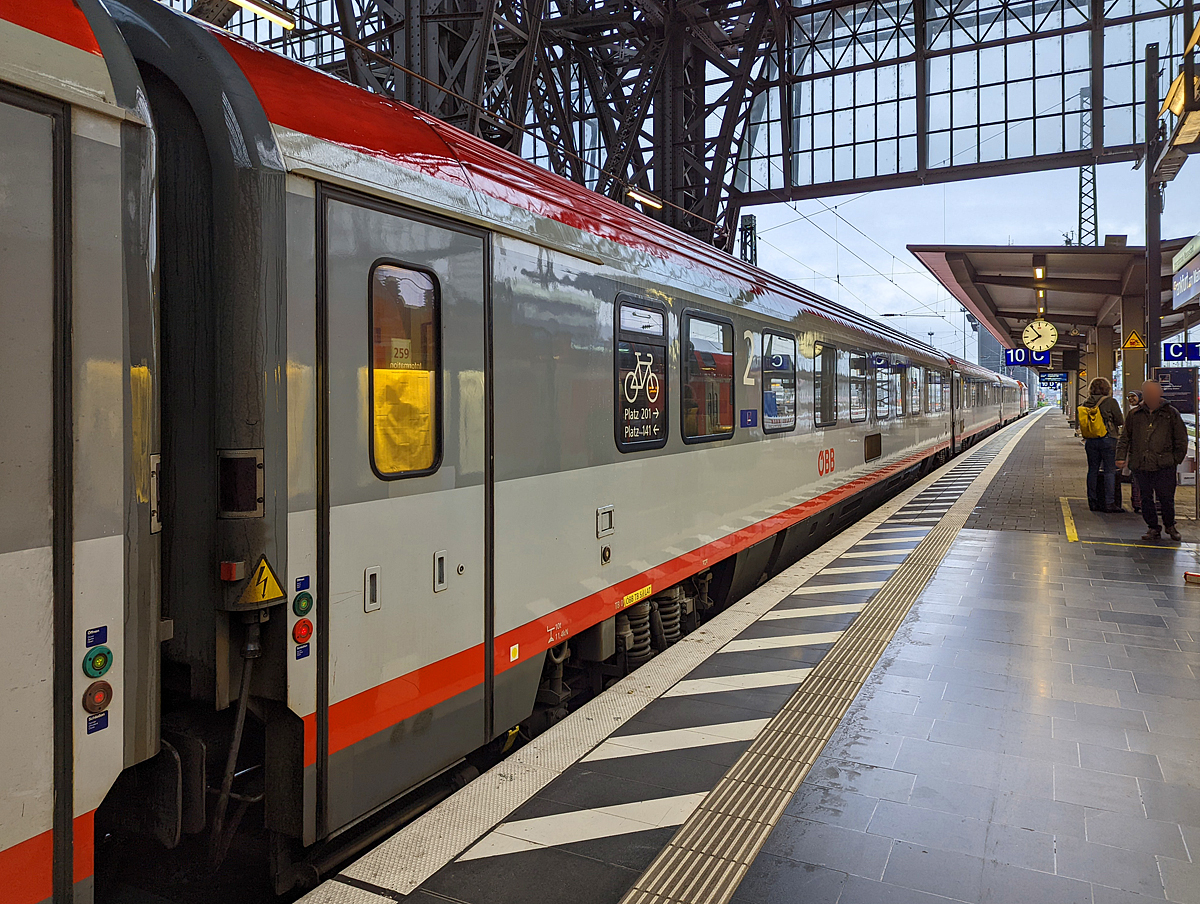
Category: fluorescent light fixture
[1041,294]
[1039,266]
[271,11]
[641,198]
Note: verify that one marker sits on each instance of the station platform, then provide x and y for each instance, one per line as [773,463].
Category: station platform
[981,692]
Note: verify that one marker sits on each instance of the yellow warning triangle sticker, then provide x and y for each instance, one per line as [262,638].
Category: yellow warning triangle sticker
[1134,341]
[264,587]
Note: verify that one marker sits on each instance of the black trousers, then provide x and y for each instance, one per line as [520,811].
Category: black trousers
[1158,484]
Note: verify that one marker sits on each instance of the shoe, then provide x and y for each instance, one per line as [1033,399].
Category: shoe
[1153,534]
[1115,510]
[1173,533]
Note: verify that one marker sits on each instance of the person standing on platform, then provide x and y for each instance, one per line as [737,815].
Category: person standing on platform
[1100,421]
[1154,443]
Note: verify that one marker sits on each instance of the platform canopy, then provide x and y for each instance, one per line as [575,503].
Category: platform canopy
[1083,285]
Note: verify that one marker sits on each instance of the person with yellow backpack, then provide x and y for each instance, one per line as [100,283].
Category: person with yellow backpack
[1100,422]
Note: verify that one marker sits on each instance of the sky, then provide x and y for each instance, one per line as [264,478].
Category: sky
[853,250]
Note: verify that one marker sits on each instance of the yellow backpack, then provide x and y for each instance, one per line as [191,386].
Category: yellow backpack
[1091,423]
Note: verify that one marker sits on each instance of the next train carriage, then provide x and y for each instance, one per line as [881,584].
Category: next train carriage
[341,444]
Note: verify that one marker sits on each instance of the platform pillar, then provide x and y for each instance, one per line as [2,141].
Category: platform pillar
[1133,360]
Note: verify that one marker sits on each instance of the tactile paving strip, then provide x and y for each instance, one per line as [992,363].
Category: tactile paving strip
[707,858]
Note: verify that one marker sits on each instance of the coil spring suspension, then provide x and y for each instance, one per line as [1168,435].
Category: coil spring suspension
[670,614]
[637,623]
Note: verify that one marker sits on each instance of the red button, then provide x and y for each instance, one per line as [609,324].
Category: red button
[302,631]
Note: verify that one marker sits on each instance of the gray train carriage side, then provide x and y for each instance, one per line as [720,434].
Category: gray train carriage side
[444,440]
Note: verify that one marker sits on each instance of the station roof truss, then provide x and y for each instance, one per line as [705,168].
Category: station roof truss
[714,106]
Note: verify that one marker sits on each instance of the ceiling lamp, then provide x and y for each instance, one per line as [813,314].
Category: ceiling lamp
[643,198]
[1039,266]
[272,12]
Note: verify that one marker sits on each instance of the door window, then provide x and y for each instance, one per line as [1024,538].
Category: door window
[707,351]
[405,372]
[779,383]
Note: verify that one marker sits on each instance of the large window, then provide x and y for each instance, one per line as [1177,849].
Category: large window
[896,388]
[913,375]
[707,352]
[883,386]
[936,391]
[825,385]
[860,381]
[779,382]
[641,375]
[405,372]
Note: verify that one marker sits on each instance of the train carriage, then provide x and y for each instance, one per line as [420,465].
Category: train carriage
[443,437]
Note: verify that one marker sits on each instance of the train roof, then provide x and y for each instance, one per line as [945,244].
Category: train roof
[70,50]
[307,101]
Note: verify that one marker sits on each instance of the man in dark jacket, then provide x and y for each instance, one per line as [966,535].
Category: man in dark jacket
[1153,444]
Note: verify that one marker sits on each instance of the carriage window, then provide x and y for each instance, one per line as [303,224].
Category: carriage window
[405,372]
[914,389]
[932,391]
[779,382]
[896,388]
[859,380]
[825,385]
[707,351]
[641,389]
[883,387]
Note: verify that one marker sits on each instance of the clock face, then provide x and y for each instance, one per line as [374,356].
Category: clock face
[1040,336]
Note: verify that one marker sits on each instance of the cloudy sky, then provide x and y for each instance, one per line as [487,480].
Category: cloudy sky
[853,249]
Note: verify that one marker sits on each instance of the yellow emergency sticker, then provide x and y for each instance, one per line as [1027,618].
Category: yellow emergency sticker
[514,652]
[637,596]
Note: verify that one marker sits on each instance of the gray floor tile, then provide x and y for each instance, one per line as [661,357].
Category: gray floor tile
[1122,762]
[866,891]
[929,827]
[777,879]
[1019,847]
[946,873]
[870,781]
[1171,803]
[1101,790]
[1137,834]
[1007,884]
[1131,870]
[1182,880]
[820,844]
[832,806]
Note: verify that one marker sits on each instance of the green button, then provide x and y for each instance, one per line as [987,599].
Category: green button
[302,604]
[97,661]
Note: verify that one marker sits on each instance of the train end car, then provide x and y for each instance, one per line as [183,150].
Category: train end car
[402,446]
[79,547]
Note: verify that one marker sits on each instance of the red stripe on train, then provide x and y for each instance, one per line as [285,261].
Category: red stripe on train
[58,19]
[27,868]
[379,708]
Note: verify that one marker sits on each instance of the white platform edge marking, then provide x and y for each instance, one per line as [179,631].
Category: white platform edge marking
[585,825]
[676,739]
[819,589]
[402,862]
[746,681]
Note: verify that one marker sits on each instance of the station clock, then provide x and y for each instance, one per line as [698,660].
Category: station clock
[1040,336]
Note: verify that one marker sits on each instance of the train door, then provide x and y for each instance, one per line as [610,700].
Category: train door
[401,502]
[35,488]
[956,410]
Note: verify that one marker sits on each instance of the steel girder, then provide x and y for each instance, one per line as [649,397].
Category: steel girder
[714,105]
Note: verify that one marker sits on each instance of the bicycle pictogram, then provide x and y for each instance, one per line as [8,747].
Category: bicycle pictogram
[641,377]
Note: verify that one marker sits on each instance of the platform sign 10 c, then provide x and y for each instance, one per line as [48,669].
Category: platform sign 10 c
[1023,357]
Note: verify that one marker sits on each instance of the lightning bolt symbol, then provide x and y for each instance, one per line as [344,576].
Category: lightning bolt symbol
[261,583]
